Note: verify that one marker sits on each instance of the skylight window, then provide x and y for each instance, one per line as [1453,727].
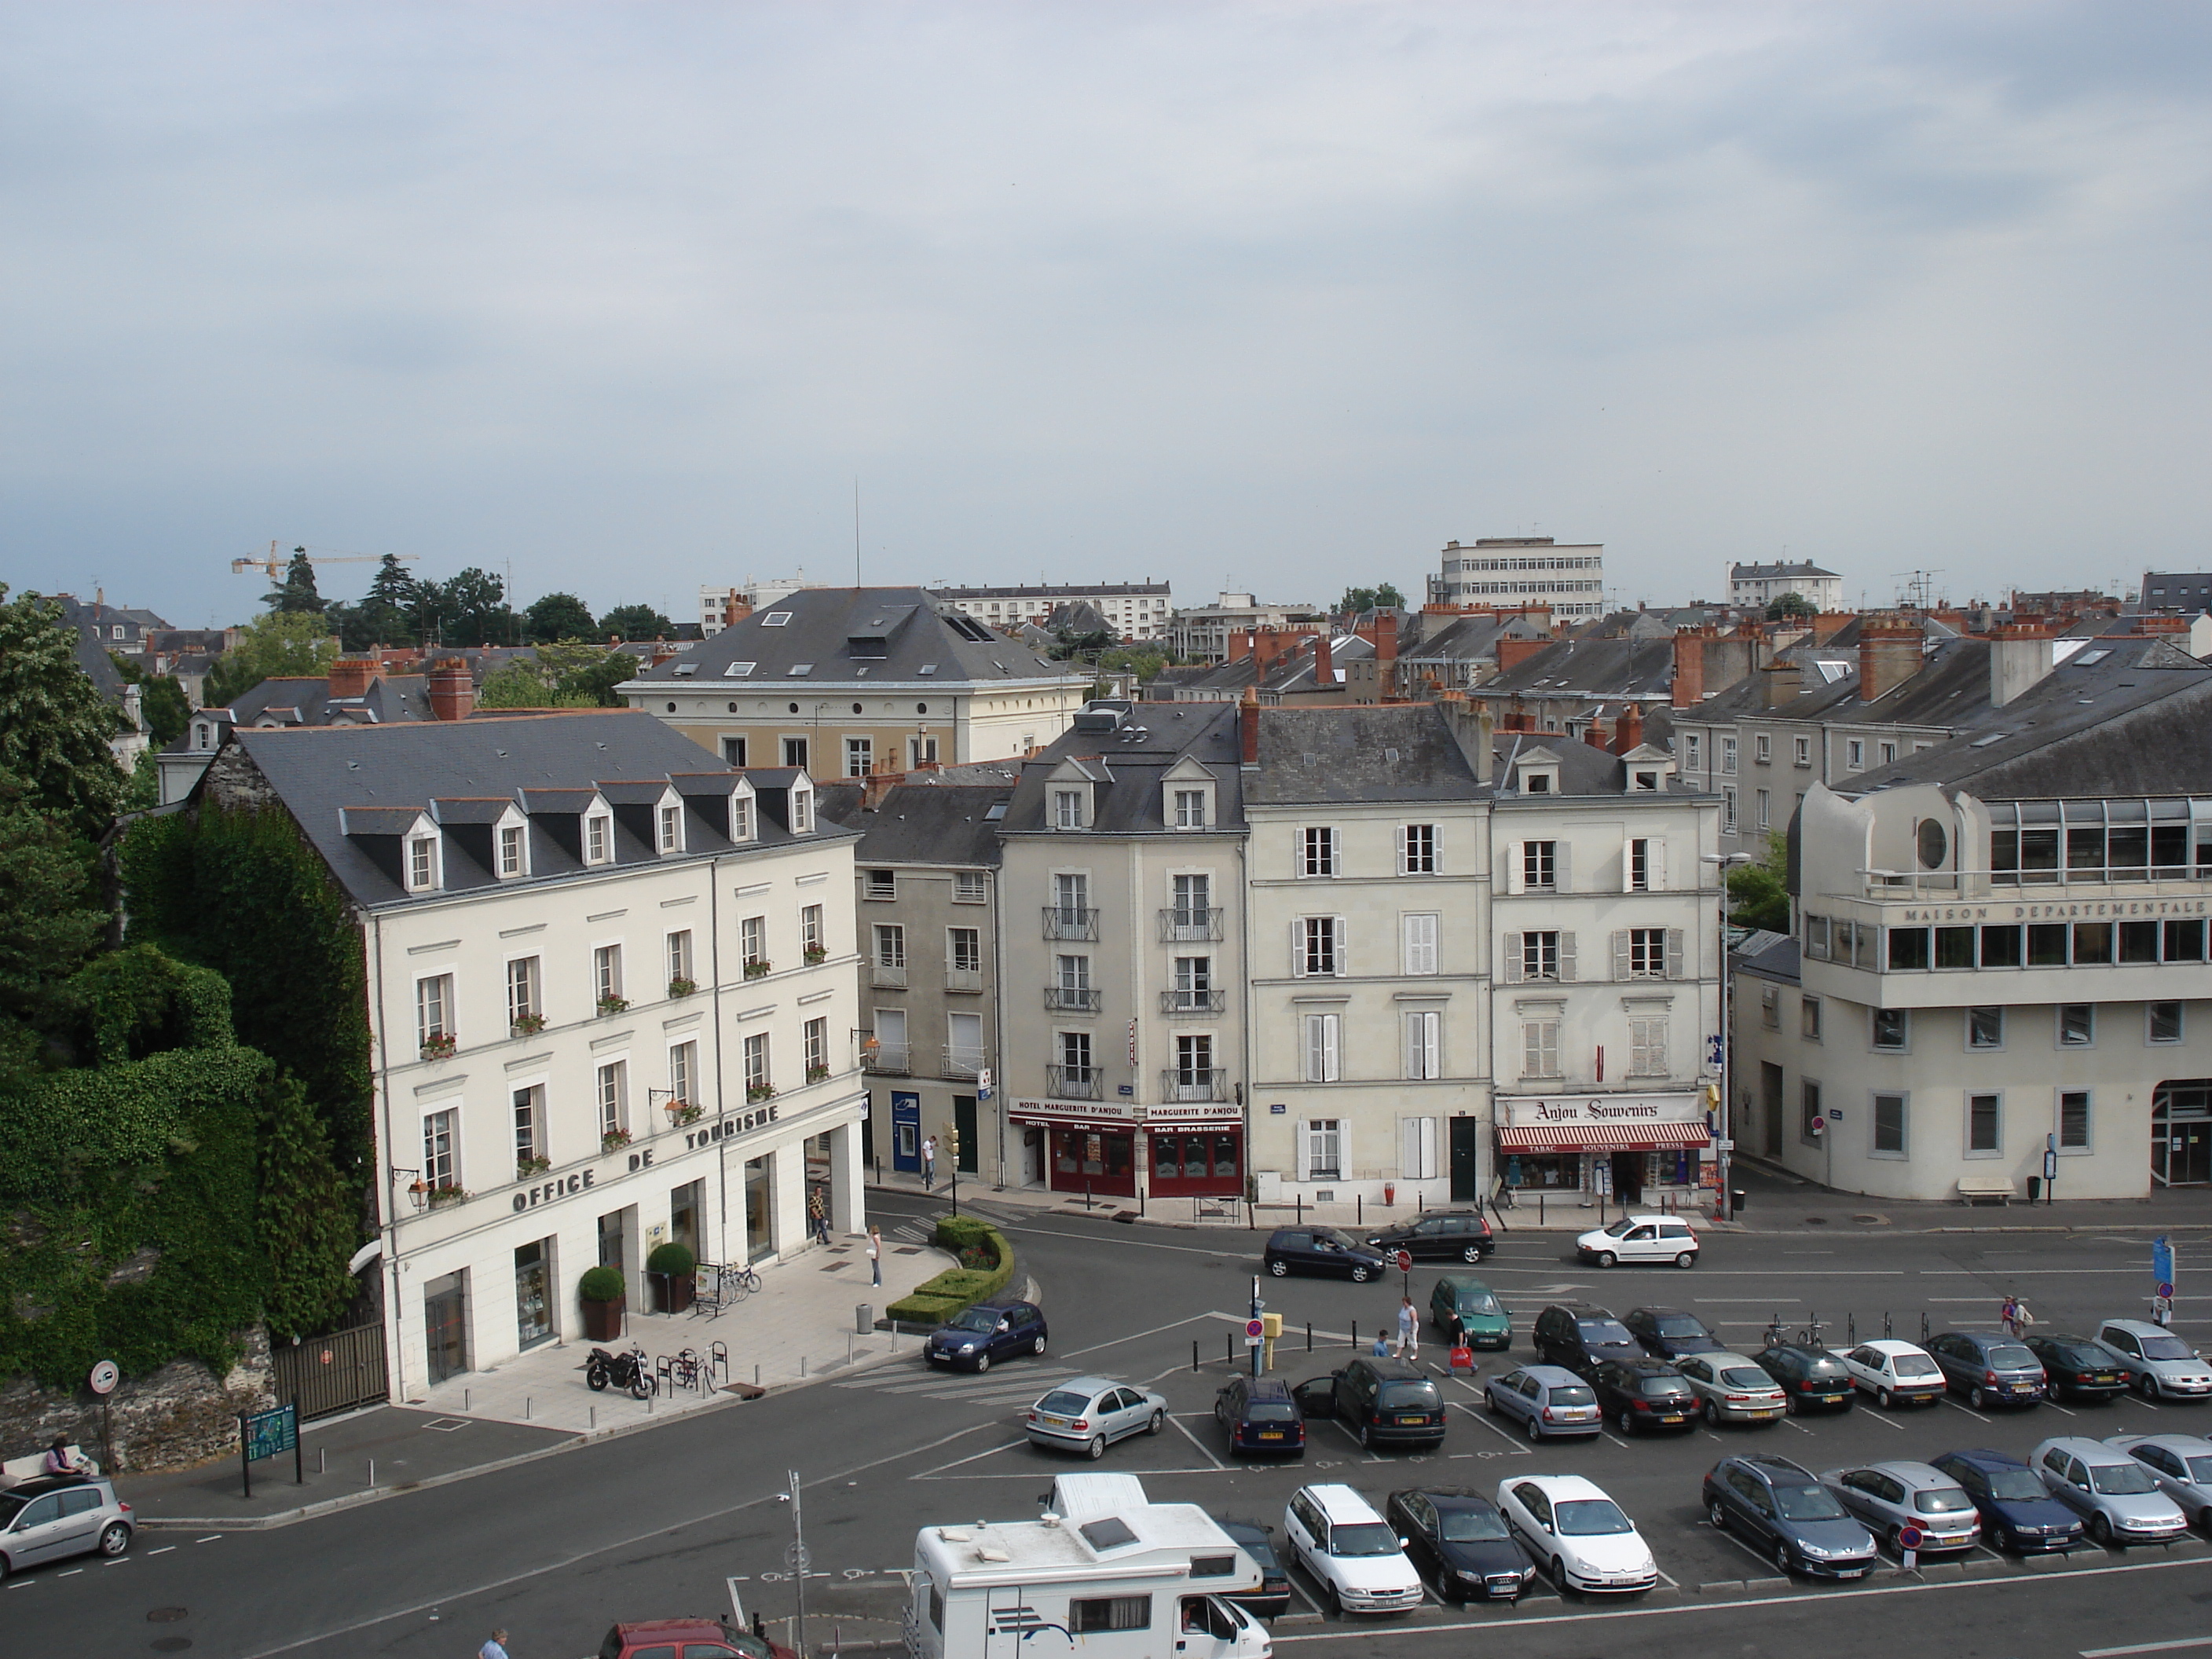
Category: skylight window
[2097,655]
[926,668]
[798,671]
[775,619]
[738,670]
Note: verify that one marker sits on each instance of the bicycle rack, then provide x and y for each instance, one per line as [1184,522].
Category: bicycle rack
[718,1354]
[664,1371]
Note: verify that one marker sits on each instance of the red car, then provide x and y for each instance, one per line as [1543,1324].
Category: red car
[688,1638]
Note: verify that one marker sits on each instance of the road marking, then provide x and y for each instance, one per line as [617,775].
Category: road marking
[1483,1418]
[1875,1414]
[1795,1425]
[988,1452]
[71,1573]
[1193,1438]
[1623,1444]
[2055,1407]
[211,1538]
[1969,1410]
[1357,1447]
[1155,1331]
[164,1550]
[2148,1647]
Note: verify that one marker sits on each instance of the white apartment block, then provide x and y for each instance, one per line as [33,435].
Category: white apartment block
[1511,570]
[1755,586]
[1202,633]
[1137,610]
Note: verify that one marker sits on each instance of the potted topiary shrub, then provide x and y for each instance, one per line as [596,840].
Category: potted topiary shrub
[600,1292]
[669,1270]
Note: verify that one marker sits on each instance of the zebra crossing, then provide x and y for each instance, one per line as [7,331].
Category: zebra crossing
[1016,1388]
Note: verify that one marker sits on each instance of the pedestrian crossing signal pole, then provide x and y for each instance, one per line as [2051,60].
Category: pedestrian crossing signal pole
[952,1142]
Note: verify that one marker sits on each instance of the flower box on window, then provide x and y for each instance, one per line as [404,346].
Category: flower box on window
[815,953]
[682,987]
[757,969]
[614,1005]
[614,1140]
[526,1167]
[440,1047]
[818,1074]
[447,1195]
[528,1025]
[684,1111]
[760,1091]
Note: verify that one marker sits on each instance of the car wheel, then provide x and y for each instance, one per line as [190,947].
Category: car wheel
[1977,1398]
[1782,1562]
[982,1362]
[1559,1575]
[1472,1253]
[1037,1346]
[1158,1421]
[1882,1398]
[1605,1258]
[2151,1390]
[1536,1427]
[114,1538]
[2100,1530]
[1790,1407]
[1489,1403]
[1627,1424]
[1330,1594]
[1717,1515]
[1712,1415]
[1686,1259]
[1097,1446]
[1358,1275]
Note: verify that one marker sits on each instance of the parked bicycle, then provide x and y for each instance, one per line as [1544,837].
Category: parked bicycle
[629,1370]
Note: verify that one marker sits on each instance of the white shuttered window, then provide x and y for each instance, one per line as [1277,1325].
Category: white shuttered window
[1420,930]
[1323,1059]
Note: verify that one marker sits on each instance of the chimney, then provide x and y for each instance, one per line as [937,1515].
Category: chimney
[2161,624]
[1512,652]
[874,787]
[1628,729]
[350,676]
[1248,727]
[1689,682]
[1594,734]
[1324,667]
[1386,643]
[1889,655]
[1240,644]
[1486,732]
[452,692]
[2019,657]
[1783,682]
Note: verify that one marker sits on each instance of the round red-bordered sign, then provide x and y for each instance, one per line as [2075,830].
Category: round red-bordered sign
[1404,1261]
[1910,1537]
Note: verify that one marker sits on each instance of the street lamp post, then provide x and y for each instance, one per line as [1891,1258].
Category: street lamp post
[1724,1203]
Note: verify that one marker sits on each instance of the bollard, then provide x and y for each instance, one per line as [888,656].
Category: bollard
[1310,1336]
[467,1398]
[1539,1209]
[849,1350]
[1229,1347]
[756,1376]
[322,1460]
[1358,1209]
[1086,1194]
[1194,1353]
[529,1408]
[1140,1203]
[1355,1332]
[1301,1198]
[372,1471]
[595,1416]
[802,1364]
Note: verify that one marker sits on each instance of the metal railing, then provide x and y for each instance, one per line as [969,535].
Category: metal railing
[1192,1002]
[1071,1082]
[1070,921]
[889,1057]
[887,978]
[1071,1000]
[963,979]
[1182,1083]
[1178,924]
[961,1063]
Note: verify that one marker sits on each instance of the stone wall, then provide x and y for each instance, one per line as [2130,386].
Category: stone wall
[179,1416]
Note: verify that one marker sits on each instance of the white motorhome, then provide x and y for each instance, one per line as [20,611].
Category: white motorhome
[1136,1581]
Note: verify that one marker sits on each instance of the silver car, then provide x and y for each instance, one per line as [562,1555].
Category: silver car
[1891,1496]
[1548,1400]
[2180,1463]
[1088,1413]
[2108,1490]
[1731,1389]
[2160,1364]
[57,1516]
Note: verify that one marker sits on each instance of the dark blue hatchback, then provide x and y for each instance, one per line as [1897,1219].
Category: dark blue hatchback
[1260,1416]
[978,1338]
[2017,1513]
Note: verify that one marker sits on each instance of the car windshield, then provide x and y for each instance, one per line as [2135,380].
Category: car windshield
[1807,1504]
[1916,1364]
[1060,1399]
[2167,1347]
[1663,1387]
[1271,1411]
[2011,1355]
[974,1319]
[1747,1377]
[1483,1526]
[1825,1366]
[2014,1485]
[1572,1396]
[1619,1228]
[1944,1500]
[1409,1397]
[1479,1301]
[1603,1331]
[1591,1518]
[1678,1325]
[1330,1236]
[1362,1538]
[2121,1480]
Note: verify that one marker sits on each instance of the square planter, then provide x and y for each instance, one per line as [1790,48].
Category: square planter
[602,1321]
[671,1293]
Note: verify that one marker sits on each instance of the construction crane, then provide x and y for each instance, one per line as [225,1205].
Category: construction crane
[273,565]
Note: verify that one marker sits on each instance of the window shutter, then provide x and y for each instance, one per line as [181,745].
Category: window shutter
[1620,953]
[1420,945]
[1566,957]
[1305,1147]
[1510,947]
[1562,880]
[1332,1057]
[1423,1031]
[1628,865]
[1334,868]
[1298,949]
[1516,868]
[1417,1149]
[1654,863]
[1673,953]
[1428,1149]
[1338,942]
[1409,1055]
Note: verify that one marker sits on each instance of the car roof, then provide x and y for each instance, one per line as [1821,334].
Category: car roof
[707,1629]
[1558,1485]
[1890,1344]
[1266,1387]
[38,1485]
[1912,1472]
[1452,1497]
[1553,1376]
[1341,1503]
[1391,1371]
[2180,1443]
[1981,1457]
[2081,1446]
[1089,1384]
[1681,1313]
[1463,1281]
[1650,1362]
[1771,1465]
[1721,1356]
[1239,1528]
[2135,1326]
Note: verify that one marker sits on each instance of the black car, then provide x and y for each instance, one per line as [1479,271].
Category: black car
[1579,1336]
[978,1338]
[1811,1379]
[1273,1599]
[1439,1236]
[1669,1332]
[1321,1250]
[1459,1536]
[1260,1416]
[1645,1393]
[2078,1367]
[1782,1510]
[1991,1369]
[1384,1402]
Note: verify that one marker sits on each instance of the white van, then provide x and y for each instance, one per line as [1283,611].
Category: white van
[1136,1581]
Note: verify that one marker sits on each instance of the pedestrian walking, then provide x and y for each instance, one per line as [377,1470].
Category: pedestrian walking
[496,1648]
[1409,1329]
[928,1163]
[2008,1314]
[817,1211]
[875,1254]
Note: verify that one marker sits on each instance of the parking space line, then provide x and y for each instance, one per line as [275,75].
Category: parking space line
[1193,1438]
[1875,1414]
[988,1451]
[1623,1444]
[1356,1446]
[2148,1647]
[2060,1409]
[1795,1425]
[1484,1420]
[1138,1335]
[1969,1410]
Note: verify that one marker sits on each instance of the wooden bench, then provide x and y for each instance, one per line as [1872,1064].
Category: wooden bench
[1985,1189]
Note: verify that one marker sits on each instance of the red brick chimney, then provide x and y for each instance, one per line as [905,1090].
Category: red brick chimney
[1248,727]
[1689,684]
[1240,644]
[874,787]
[350,676]
[1512,652]
[1594,734]
[1889,655]
[1324,667]
[452,692]
[1628,729]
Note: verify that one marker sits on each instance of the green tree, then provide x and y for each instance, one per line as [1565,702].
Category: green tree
[54,724]
[1761,891]
[473,611]
[1791,606]
[559,616]
[386,615]
[165,707]
[49,925]
[297,595]
[281,644]
[1357,599]
[305,1215]
[586,675]
[636,622]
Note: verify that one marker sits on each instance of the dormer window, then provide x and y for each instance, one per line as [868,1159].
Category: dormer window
[1190,809]
[203,734]
[672,828]
[1643,781]
[514,852]
[598,839]
[1067,809]
[802,811]
[422,863]
[741,818]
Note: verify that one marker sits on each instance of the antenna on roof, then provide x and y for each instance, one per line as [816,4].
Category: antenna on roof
[856,530]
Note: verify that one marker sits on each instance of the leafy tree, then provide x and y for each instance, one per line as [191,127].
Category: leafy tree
[1357,599]
[143,792]
[1791,606]
[305,1216]
[386,615]
[560,616]
[165,707]
[636,622]
[473,611]
[297,595]
[1761,891]
[281,644]
[54,724]
[587,675]
[49,925]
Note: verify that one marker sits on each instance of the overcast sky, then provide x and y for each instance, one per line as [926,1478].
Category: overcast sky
[1269,296]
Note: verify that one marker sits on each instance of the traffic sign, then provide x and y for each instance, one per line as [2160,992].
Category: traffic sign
[1254,1327]
[1404,1261]
[1910,1537]
[104,1378]
[2165,1288]
[797,1557]
[1722,1143]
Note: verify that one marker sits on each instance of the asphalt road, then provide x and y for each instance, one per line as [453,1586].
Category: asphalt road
[654,1523]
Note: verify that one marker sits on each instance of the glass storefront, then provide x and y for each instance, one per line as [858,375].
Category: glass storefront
[1200,1164]
[1099,1160]
[2181,1133]
[445,1325]
[760,1234]
[533,1293]
[686,1205]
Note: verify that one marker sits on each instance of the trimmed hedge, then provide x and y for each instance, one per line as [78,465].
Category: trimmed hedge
[937,1299]
[600,1284]
[673,1260]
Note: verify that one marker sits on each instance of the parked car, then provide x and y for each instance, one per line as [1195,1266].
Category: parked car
[1576,1336]
[1459,1536]
[1439,1236]
[2180,1463]
[1320,1251]
[2018,1511]
[695,1639]
[1335,1535]
[1384,1402]
[1273,1599]
[1779,1509]
[52,1516]
[1811,1379]
[1462,1306]
[1641,1394]
[1089,1413]
[2113,1494]
[1640,1238]
[1260,1416]
[1989,1369]
[1891,1372]
[1580,1534]
[978,1338]
[1544,1401]
[2078,1367]
[1732,1387]
[1893,1496]
[1669,1332]
[2160,1364]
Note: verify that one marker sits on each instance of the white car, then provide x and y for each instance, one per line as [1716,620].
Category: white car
[1576,1532]
[1351,1551]
[1641,1238]
[1892,1370]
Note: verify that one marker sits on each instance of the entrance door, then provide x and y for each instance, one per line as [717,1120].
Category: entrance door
[2181,1133]
[1466,1159]
[533,1293]
[906,1132]
[1008,1619]
[1628,1178]
[445,1327]
[1032,1156]
[964,1119]
[760,1235]
[1770,1106]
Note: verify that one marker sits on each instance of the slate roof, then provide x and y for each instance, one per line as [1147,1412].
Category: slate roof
[390,698]
[1591,668]
[1381,752]
[920,821]
[1132,762]
[853,636]
[367,778]
[1469,639]
[1753,573]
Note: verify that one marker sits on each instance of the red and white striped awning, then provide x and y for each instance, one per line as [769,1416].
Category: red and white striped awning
[1602,1137]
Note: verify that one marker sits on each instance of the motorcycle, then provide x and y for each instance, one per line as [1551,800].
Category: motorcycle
[624,1370]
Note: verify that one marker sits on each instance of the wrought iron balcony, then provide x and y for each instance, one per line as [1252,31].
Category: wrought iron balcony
[1191,1002]
[1185,1083]
[1071,1082]
[1070,921]
[1071,1000]
[1178,924]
